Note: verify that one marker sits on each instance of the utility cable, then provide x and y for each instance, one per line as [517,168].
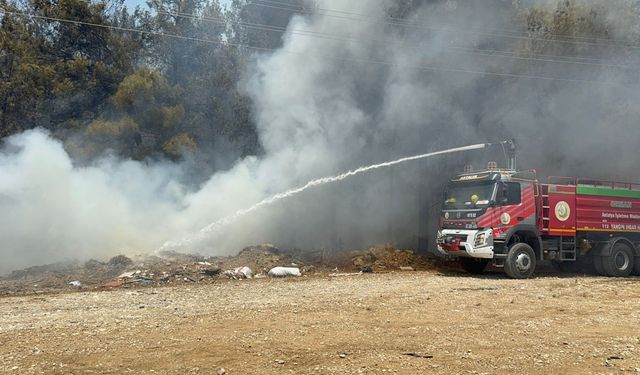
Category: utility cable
[394,21]
[455,49]
[328,57]
[565,59]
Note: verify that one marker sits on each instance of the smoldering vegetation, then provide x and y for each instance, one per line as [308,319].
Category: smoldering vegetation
[346,84]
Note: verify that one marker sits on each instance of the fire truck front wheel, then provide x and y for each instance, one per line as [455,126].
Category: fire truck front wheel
[520,262]
[620,262]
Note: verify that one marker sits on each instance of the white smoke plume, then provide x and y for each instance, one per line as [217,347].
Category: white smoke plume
[327,105]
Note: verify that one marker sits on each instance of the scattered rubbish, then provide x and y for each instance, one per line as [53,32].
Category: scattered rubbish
[243,272]
[279,361]
[342,355]
[128,275]
[284,271]
[418,355]
[113,283]
[75,284]
[614,357]
[221,371]
[211,271]
[406,268]
[366,269]
[173,267]
[239,273]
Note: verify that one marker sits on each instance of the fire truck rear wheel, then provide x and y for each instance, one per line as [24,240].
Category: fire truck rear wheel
[520,262]
[620,262]
[475,266]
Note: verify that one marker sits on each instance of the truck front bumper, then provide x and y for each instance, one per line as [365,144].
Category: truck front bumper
[466,243]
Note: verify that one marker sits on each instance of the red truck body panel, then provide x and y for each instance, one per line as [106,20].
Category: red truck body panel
[562,209]
[608,210]
[596,206]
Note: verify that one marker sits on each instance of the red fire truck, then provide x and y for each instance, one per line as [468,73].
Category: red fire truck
[512,220]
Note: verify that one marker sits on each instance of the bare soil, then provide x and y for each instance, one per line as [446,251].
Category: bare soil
[396,322]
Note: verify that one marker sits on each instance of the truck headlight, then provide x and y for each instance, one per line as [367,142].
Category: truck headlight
[482,239]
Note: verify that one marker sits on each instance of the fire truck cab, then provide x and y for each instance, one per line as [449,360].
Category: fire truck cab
[484,214]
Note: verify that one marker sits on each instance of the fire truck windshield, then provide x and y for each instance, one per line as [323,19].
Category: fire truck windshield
[469,195]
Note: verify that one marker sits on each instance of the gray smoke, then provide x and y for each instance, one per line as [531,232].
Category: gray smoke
[323,105]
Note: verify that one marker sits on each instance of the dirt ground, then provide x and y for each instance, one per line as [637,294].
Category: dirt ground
[396,322]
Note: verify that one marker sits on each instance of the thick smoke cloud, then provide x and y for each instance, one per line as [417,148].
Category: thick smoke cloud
[324,105]
[52,211]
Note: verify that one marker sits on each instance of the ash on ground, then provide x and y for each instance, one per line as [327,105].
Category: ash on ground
[170,268]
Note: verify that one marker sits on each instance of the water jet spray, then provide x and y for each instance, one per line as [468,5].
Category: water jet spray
[221,223]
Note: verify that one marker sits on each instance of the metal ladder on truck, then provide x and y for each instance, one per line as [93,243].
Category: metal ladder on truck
[567,245]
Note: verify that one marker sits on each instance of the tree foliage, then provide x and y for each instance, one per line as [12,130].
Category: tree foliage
[172,87]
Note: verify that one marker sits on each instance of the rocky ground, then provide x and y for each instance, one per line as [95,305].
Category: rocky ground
[383,322]
[397,322]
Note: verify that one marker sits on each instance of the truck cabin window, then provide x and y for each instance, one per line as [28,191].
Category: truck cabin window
[509,194]
[468,195]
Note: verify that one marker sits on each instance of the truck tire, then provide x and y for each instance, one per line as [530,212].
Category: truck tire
[636,266]
[597,264]
[620,262]
[520,262]
[475,266]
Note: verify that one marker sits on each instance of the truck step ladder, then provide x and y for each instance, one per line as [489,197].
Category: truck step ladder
[568,248]
[545,207]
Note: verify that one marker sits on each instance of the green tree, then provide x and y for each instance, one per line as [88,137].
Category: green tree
[58,73]
[25,81]
[146,114]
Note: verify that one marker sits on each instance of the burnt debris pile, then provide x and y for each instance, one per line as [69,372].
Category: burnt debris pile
[172,268]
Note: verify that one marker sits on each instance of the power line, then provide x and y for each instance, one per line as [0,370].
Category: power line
[299,8]
[394,21]
[518,32]
[459,50]
[511,55]
[328,57]
[129,29]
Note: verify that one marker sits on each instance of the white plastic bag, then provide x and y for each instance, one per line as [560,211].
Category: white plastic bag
[243,273]
[76,284]
[284,271]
